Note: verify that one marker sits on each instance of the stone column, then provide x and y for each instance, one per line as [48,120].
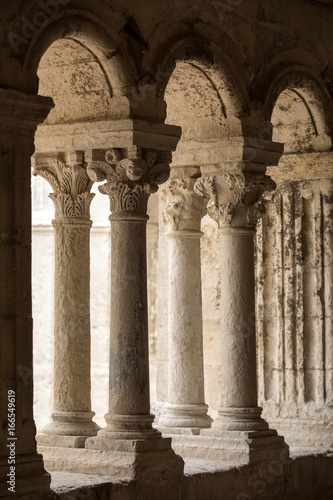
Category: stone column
[186,411]
[130,181]
[72,418]
[20,115]
[234,203]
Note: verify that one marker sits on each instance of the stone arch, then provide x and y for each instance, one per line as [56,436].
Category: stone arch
[202,69]
[86,30]
[183,36]
[73,76]
[211,61]
[300,109]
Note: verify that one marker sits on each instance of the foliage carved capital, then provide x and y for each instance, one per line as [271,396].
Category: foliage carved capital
[71,187]
[131,177]
[235,199]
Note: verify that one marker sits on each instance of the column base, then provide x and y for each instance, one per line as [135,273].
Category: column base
[184,419]
[124,427]
[236,447]
[32,482]
[68,430]
[123,459]
[238,435]
[246,418]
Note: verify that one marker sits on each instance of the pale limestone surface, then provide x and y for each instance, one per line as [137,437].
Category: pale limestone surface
[239,78]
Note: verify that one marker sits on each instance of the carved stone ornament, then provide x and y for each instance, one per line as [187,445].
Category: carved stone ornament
[242,195]
[183,209]
[71,188]
[130,180]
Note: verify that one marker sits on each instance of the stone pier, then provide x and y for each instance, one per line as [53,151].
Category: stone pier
[20,115]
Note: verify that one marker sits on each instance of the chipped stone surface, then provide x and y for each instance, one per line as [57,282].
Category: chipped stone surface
[235,75]
[294,308]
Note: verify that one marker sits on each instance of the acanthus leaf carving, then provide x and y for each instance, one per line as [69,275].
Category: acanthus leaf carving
[236,183]
[123,198]
[255,212]
[258,181]
[222,214]
[71,188]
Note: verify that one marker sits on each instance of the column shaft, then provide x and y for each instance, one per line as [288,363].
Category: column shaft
[129,319]
[71,317]
[186,401]
[236,219]
[238,362]
[239,408]
[129,400]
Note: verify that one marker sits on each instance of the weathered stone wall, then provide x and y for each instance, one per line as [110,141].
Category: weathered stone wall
[294,309]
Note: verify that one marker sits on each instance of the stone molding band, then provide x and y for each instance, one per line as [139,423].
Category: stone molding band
[128,216]
[184,234]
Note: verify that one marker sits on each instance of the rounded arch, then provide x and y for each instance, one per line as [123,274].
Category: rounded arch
[204,46]
[297,95]
[101,41]
[74,78]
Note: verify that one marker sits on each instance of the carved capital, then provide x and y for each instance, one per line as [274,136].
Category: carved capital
[131,176]
[71,186]
[235,199]
[183,209]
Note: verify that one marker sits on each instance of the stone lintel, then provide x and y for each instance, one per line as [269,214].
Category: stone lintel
[229,154]
[105,134]
[303,166]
